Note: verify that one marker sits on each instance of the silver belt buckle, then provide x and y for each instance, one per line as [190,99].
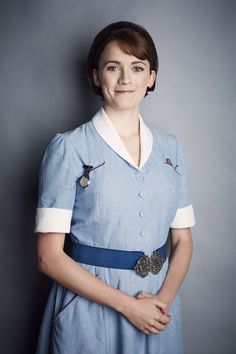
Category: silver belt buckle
[146,264]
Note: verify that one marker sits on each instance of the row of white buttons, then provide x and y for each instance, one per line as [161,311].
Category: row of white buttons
[141,194]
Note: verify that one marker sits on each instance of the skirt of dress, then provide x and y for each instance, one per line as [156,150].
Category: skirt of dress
[73,324]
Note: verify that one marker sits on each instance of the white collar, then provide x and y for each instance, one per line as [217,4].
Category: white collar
[108,132]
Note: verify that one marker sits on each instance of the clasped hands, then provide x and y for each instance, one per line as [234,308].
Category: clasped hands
[149,314]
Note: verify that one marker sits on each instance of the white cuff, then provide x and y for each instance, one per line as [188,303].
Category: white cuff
[184,217]
[52,220]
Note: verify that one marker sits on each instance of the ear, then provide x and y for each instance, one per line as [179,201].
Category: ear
[152,78]
[96,78]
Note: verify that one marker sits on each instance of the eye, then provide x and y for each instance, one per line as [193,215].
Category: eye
[138,68]
[112,68]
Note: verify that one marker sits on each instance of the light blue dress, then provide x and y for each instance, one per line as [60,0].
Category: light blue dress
[125,207]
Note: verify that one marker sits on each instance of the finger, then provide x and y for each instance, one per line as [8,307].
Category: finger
[158,325]
[152,330]
[163,311]
[141,295]
[145,294]
[162,306]
[165,319]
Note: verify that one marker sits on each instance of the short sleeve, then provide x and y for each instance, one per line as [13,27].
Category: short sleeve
[184,216]
[56,189]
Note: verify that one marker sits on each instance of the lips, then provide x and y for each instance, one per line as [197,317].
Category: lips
[124,91]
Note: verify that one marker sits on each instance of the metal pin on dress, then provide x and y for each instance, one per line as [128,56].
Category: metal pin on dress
[84,180]
[168,162]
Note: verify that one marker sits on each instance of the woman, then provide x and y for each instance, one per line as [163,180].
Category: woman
[119,188]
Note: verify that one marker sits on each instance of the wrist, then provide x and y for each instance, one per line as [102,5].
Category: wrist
[166,298]
[124,305]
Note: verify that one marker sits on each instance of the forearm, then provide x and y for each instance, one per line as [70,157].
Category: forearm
[74,277]
[181,254]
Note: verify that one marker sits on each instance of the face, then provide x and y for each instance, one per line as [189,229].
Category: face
[123,78]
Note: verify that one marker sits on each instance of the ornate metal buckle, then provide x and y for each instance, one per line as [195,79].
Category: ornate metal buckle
[146,264]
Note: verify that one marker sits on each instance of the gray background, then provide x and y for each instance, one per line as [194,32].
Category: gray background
[43,90]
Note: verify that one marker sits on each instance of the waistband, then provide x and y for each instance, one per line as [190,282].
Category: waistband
[112,258]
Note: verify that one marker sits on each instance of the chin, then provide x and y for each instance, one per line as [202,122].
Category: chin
[127,104]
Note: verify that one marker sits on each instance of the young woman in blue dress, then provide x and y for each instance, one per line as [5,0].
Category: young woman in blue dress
[122,73]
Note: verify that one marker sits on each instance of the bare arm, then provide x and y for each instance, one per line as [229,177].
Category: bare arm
[181,253]
[55,263]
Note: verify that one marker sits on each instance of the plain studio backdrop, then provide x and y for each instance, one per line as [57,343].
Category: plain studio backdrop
[44,90]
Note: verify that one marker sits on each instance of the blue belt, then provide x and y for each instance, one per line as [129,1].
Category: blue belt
[112,258]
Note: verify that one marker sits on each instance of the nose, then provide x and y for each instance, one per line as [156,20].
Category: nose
[124,77]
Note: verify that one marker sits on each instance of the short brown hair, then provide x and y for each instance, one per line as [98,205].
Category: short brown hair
[133,39]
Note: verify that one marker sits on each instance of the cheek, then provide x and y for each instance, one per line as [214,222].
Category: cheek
[142,88]
[108,80]
[142,81]
[105,84]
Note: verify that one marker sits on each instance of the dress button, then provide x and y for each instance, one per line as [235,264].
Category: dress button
[142,213]
[142,194]
[139,175]
[143,233]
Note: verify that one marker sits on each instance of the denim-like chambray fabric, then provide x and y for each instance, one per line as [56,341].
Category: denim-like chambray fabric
[122,208]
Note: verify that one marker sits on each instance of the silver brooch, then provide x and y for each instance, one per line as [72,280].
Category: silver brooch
[146,264]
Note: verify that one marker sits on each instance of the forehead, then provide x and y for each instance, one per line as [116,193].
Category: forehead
[112,51]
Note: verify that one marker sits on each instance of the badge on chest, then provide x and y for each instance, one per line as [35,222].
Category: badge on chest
[84,179]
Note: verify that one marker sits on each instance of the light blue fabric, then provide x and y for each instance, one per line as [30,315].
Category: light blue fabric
[107,214]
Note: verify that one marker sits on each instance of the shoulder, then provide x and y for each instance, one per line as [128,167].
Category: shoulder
[71,140]
[167,140]
[75,136]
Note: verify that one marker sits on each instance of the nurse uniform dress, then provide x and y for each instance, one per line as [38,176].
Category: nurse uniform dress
[125,207]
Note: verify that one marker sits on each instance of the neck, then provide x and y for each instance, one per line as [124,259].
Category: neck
[126,122]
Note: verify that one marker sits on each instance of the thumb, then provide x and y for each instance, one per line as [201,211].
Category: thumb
[141,295]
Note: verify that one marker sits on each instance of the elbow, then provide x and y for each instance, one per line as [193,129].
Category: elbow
[43,263]
[47,262]
[182,238]
[49,252]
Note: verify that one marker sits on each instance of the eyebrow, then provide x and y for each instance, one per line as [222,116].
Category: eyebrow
[118,62]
